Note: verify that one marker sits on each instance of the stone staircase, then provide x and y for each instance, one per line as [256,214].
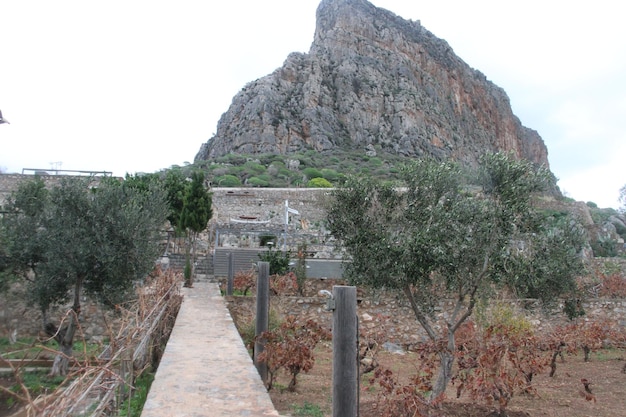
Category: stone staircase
[204,266]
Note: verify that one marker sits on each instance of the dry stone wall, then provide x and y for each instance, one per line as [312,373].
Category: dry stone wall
[389,312]
[264,208]
[242,215]
[16,315]
[11,182]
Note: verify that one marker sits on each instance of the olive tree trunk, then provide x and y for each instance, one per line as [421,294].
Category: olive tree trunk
[65,337]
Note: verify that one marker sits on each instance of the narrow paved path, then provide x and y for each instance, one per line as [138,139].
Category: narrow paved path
[205,369]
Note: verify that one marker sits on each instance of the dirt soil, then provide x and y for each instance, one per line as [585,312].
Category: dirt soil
[556,397]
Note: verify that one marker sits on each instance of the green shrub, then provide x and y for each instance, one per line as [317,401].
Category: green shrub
[284,172]
[375,161]
[604,248]
[227,181]
[312,173]
[329,174]
[573,309]
[319,183]
[620,229]
[278,260]
[254,168]
[257,182]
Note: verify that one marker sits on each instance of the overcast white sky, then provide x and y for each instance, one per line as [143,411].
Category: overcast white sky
[137,85]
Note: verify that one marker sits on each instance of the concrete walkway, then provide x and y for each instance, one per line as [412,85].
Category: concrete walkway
[206,369]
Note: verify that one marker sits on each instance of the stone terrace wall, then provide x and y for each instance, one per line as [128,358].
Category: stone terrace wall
[268,204]
[16,315]
[388,311]
[11,182]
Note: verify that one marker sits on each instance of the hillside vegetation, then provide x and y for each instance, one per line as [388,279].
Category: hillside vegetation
[272,170]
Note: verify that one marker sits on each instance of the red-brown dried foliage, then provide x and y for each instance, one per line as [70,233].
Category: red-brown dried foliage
[410,398]
[286,284]
[588,336]
[244,281]
[290,347]
[498,362]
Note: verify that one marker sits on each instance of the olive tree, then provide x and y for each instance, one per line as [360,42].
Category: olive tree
[24,244]
[438,235]
[91,238]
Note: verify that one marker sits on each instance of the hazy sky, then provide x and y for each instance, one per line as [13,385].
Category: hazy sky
[137,86]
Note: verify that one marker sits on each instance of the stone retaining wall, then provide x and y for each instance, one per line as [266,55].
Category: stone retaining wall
[377,310]
[390,312]
[11,182]
[95,320]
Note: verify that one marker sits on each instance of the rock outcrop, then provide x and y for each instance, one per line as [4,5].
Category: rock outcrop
[373,78]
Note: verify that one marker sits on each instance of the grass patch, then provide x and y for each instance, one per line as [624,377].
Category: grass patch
[37,383]
[32,348]
[132,406]
[610,354]
[307,409]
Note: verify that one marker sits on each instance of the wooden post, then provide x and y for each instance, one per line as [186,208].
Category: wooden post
[345,355]
[231,274]
[126,374]
[262,315]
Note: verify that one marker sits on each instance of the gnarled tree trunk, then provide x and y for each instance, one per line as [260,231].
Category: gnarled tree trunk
[445,370]
[65,337]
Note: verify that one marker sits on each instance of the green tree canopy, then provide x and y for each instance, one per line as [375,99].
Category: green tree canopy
[319,183]
[99,238]
[196,213]
[311,173]
[227,181]
[22,247]
[197,202]
[175,183]
[446,232]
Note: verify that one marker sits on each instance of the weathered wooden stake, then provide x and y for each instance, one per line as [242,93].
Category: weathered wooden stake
[231,274]
[262,315]
[345,365]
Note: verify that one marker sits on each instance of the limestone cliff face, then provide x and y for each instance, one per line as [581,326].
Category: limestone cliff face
[373,78]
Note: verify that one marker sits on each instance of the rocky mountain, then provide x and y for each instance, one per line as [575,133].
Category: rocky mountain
[373,80]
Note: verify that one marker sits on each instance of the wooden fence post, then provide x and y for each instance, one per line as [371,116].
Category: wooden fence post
[262,316]
[231,274]
[345,355]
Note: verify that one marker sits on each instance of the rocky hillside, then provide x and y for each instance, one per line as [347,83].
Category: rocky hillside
[372,79]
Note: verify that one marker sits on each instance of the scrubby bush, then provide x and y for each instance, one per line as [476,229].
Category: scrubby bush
[311,173]
[290,347]
[257,182]
[278,260]
[319,183]
[329,174]
[227,181]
